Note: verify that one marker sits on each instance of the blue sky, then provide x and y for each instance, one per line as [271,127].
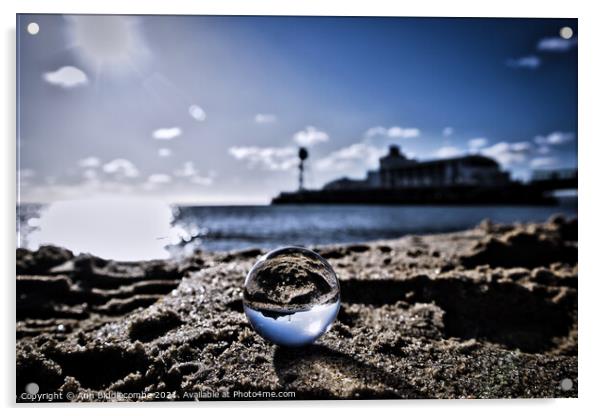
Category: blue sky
[202,109]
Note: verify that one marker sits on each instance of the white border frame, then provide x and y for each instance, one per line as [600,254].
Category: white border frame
[590,68]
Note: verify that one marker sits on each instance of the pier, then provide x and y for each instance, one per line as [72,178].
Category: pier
[470,179]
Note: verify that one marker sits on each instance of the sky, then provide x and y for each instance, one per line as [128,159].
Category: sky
[212,109]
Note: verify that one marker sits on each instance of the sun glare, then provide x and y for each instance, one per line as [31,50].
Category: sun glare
[108,43]
[119,228]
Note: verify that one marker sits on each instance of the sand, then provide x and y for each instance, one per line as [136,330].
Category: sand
[489,312]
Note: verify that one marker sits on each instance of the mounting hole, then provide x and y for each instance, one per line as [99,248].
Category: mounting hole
[32,388]
[33,28]
[566,384]
[566,32]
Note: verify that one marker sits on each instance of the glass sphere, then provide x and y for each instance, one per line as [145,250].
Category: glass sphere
[291,296]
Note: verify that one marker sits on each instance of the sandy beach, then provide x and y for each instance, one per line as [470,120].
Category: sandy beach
[489,312]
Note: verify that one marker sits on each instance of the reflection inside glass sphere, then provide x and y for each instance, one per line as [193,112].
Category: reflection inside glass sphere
[291,296]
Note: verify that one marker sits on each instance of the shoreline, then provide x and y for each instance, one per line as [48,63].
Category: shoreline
[218,229]
[489,312]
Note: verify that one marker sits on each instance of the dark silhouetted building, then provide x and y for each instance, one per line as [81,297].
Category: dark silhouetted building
[396,171]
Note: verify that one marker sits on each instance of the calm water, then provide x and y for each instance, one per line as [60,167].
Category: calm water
[216,228]
[225,228]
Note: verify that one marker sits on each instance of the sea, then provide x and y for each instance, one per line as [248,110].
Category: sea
[137,231]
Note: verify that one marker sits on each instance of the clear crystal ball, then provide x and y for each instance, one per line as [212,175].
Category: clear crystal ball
[291,296]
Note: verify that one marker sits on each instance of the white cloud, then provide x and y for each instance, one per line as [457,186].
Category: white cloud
[187,170]
[529,62]
[270,158]
[310,136]
[90,174]
[197,113]
[66,77]
[555,138]
[543,162]
[265,118]
[203,180]
[89,162]
[159,178]
[167,133]
[190,172]
[556,44]
[376,131]
[358,156]
[447,152]
[508,153]
[164,152]
[398,132]
[477,143]
[520,147]
[394,132]
[448,131]
[121,168]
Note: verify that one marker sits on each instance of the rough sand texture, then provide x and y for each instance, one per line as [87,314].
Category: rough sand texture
[486,313]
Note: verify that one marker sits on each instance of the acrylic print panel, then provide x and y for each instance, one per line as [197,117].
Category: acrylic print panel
[278,208]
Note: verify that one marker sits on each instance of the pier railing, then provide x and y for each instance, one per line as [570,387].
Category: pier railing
[555,179]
